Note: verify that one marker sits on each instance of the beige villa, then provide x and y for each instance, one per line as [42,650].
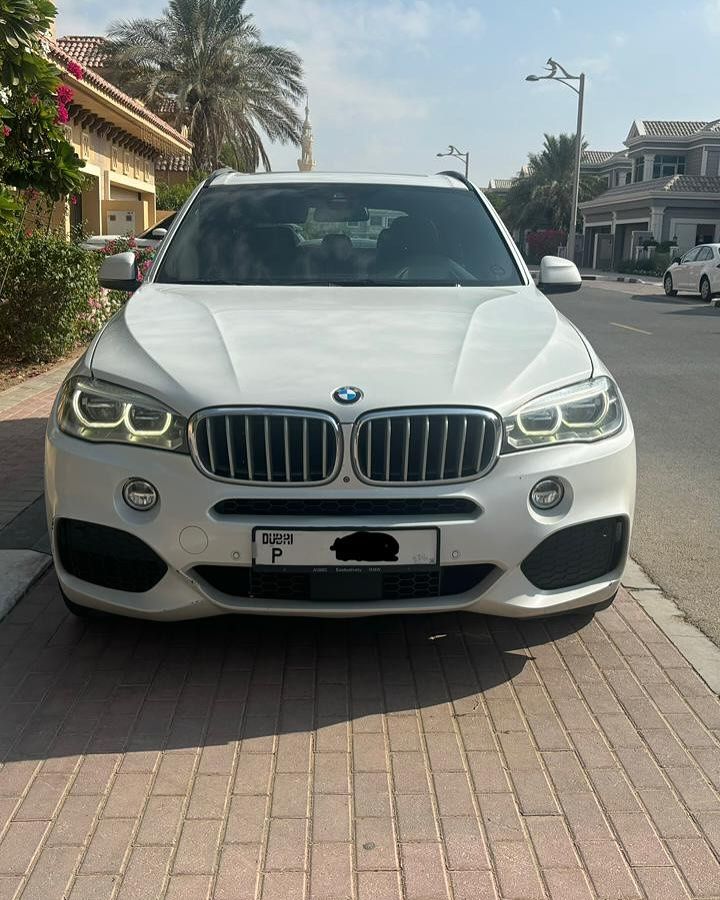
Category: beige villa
[120,141]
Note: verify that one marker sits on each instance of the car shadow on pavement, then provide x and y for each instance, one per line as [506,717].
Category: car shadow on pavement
[691,306]
[114,686]
[707,310]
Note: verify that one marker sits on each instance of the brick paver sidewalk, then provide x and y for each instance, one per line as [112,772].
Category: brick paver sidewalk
[23,413]
[420,758]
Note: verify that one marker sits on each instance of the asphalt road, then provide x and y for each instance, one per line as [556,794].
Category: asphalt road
[665,354]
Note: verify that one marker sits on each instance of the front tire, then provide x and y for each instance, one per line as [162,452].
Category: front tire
[705,289]
[668,285]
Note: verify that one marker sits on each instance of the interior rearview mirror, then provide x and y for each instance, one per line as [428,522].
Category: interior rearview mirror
[558,275]
[119,272]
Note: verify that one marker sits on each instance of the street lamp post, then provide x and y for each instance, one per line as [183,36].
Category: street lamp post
[463,157]
[566,78]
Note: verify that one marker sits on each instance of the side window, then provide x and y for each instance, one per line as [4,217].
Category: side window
[704,254]
[691,255]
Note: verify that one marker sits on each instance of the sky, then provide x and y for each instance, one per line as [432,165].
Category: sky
[393,82]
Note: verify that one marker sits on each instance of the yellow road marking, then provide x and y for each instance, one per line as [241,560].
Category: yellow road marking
[630,328]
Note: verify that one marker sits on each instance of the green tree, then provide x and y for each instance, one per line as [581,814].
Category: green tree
[172,196]
[34,153]
[542,195]
[207,58]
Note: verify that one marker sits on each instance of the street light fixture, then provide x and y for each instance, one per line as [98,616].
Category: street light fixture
[457,154]
[565,78]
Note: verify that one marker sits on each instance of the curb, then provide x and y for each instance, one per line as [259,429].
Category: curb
[696,647]
[19,570]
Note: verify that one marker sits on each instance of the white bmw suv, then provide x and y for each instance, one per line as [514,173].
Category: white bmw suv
[339,395]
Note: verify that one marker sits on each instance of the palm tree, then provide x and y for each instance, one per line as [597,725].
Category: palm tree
[203,65]
[542,196]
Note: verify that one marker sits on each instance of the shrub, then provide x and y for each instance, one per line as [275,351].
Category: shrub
[544,243]
[655,265]
[172,196]
[46,298]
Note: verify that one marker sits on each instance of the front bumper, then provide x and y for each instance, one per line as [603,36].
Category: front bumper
[84,483]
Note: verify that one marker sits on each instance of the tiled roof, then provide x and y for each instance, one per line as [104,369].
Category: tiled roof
[597,157]
[711,128]
[89,50]
[62,58]
[173,164]
[673,184]
[696,184]
[658,128]
[500,184]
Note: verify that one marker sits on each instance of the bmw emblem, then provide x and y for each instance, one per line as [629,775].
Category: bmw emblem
[347,394]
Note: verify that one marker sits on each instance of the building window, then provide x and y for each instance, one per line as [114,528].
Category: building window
[639,169]
[665,166]
[628,177]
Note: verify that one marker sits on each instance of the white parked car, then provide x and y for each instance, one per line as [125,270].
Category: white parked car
[697,272]
[401,424]
[152,238]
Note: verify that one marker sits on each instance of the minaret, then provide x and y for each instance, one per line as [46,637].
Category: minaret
[306,163]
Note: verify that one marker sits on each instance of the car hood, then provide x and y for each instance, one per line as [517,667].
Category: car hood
[196,346]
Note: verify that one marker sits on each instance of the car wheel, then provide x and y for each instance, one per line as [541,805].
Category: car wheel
[82,612]
[668,285]
[705,291]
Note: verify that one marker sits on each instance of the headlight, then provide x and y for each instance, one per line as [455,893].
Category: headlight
[96,411]
[583,412]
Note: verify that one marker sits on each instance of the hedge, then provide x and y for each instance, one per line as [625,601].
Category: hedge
[655,265]
[50,298]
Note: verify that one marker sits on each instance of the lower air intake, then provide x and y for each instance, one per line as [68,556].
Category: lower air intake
[577,554]
[302,587]
[107,557]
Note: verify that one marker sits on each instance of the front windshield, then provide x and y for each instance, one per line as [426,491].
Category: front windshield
[348,234]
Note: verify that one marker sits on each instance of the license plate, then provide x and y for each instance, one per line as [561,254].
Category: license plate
[319,550]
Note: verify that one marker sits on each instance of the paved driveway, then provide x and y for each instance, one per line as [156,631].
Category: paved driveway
[428,757]
[419,758]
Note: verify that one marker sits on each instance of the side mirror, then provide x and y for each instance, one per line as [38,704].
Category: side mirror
[676,260]
[558,276]
[119,272]
[159,233]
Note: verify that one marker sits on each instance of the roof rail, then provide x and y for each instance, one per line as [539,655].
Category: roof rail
[450,173]
[217,173]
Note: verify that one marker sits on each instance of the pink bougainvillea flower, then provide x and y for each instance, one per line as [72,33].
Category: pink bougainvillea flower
[65,94]
[7,131]
[34,99]
[73,200]
[76,70]
[62,115]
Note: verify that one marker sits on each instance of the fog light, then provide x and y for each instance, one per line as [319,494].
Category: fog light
[547,493]
[139,494]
